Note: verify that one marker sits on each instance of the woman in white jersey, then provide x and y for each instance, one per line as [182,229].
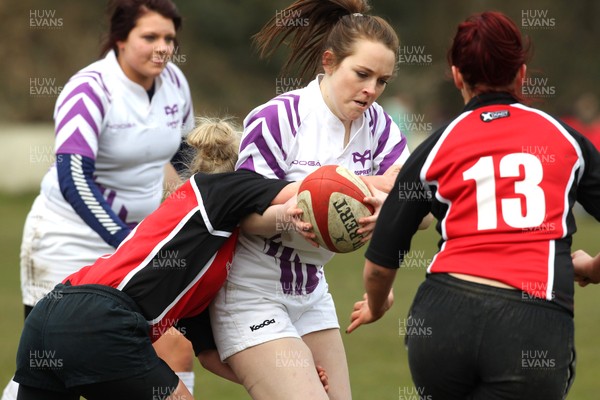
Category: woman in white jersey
[118,123]
[274,319]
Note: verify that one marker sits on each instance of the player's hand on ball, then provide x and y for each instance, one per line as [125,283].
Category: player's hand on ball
[367,224]
[305,229]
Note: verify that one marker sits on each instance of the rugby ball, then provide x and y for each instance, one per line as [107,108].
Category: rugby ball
[331,199]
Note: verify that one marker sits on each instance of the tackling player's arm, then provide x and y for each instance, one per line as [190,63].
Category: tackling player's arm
[275,218]
[390,244]
[378,298]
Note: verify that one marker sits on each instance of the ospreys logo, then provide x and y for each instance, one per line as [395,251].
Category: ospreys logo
[489,116]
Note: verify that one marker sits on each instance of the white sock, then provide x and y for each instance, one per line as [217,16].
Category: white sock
[10,391]
[187,378]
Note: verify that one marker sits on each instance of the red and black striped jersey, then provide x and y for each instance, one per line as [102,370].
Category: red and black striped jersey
[174,262]
[501,179]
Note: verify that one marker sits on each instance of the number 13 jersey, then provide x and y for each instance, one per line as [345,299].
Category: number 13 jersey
[501,179]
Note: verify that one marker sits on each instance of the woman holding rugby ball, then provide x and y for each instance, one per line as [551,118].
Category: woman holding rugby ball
[275,319]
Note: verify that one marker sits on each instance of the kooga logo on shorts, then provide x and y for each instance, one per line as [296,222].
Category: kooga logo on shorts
[265,323]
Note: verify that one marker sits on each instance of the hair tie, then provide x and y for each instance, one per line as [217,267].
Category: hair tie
[357,15]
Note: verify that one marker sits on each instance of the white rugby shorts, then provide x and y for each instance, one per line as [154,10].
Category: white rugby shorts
[243,317]
[53,247]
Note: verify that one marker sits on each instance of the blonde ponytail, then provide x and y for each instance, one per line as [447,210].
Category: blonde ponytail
[216,143]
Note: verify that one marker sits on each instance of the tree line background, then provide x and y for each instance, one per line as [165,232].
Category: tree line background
[227,77]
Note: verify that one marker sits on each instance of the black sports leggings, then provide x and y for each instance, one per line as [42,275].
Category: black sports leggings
[471,341]
[138,388]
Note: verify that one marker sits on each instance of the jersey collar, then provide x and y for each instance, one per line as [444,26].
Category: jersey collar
[486,99]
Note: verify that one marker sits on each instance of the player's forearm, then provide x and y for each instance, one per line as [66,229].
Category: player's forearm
[378,283]
[271,222]
[380,182]
[286,193]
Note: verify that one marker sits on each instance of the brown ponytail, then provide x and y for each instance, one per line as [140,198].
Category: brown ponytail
[330,24]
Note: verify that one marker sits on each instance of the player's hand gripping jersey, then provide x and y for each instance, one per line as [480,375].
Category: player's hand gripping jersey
[502,193]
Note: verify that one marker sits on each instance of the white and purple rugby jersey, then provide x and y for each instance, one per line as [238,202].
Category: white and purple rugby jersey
[289,137]
[104,116]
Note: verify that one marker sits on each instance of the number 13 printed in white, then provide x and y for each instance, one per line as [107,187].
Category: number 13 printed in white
[482,172]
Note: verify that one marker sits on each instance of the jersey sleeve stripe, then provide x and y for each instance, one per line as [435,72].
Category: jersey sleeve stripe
[77,191]
[86,194]
[79,109]
[173,75]
[392,156]
[382,142]
[256,138]
[88,91]
[204,213]
[373,120]
[97,77]
[188,111]
[291,102]
[248,164]
[269,116]
[75,143]
[551,258]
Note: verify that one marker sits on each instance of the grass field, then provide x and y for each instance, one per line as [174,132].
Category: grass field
[376,354]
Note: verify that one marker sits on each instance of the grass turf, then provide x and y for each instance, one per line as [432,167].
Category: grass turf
[376,355]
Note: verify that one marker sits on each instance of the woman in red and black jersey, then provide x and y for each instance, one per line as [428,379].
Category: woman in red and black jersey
[501,179]
[92,335]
